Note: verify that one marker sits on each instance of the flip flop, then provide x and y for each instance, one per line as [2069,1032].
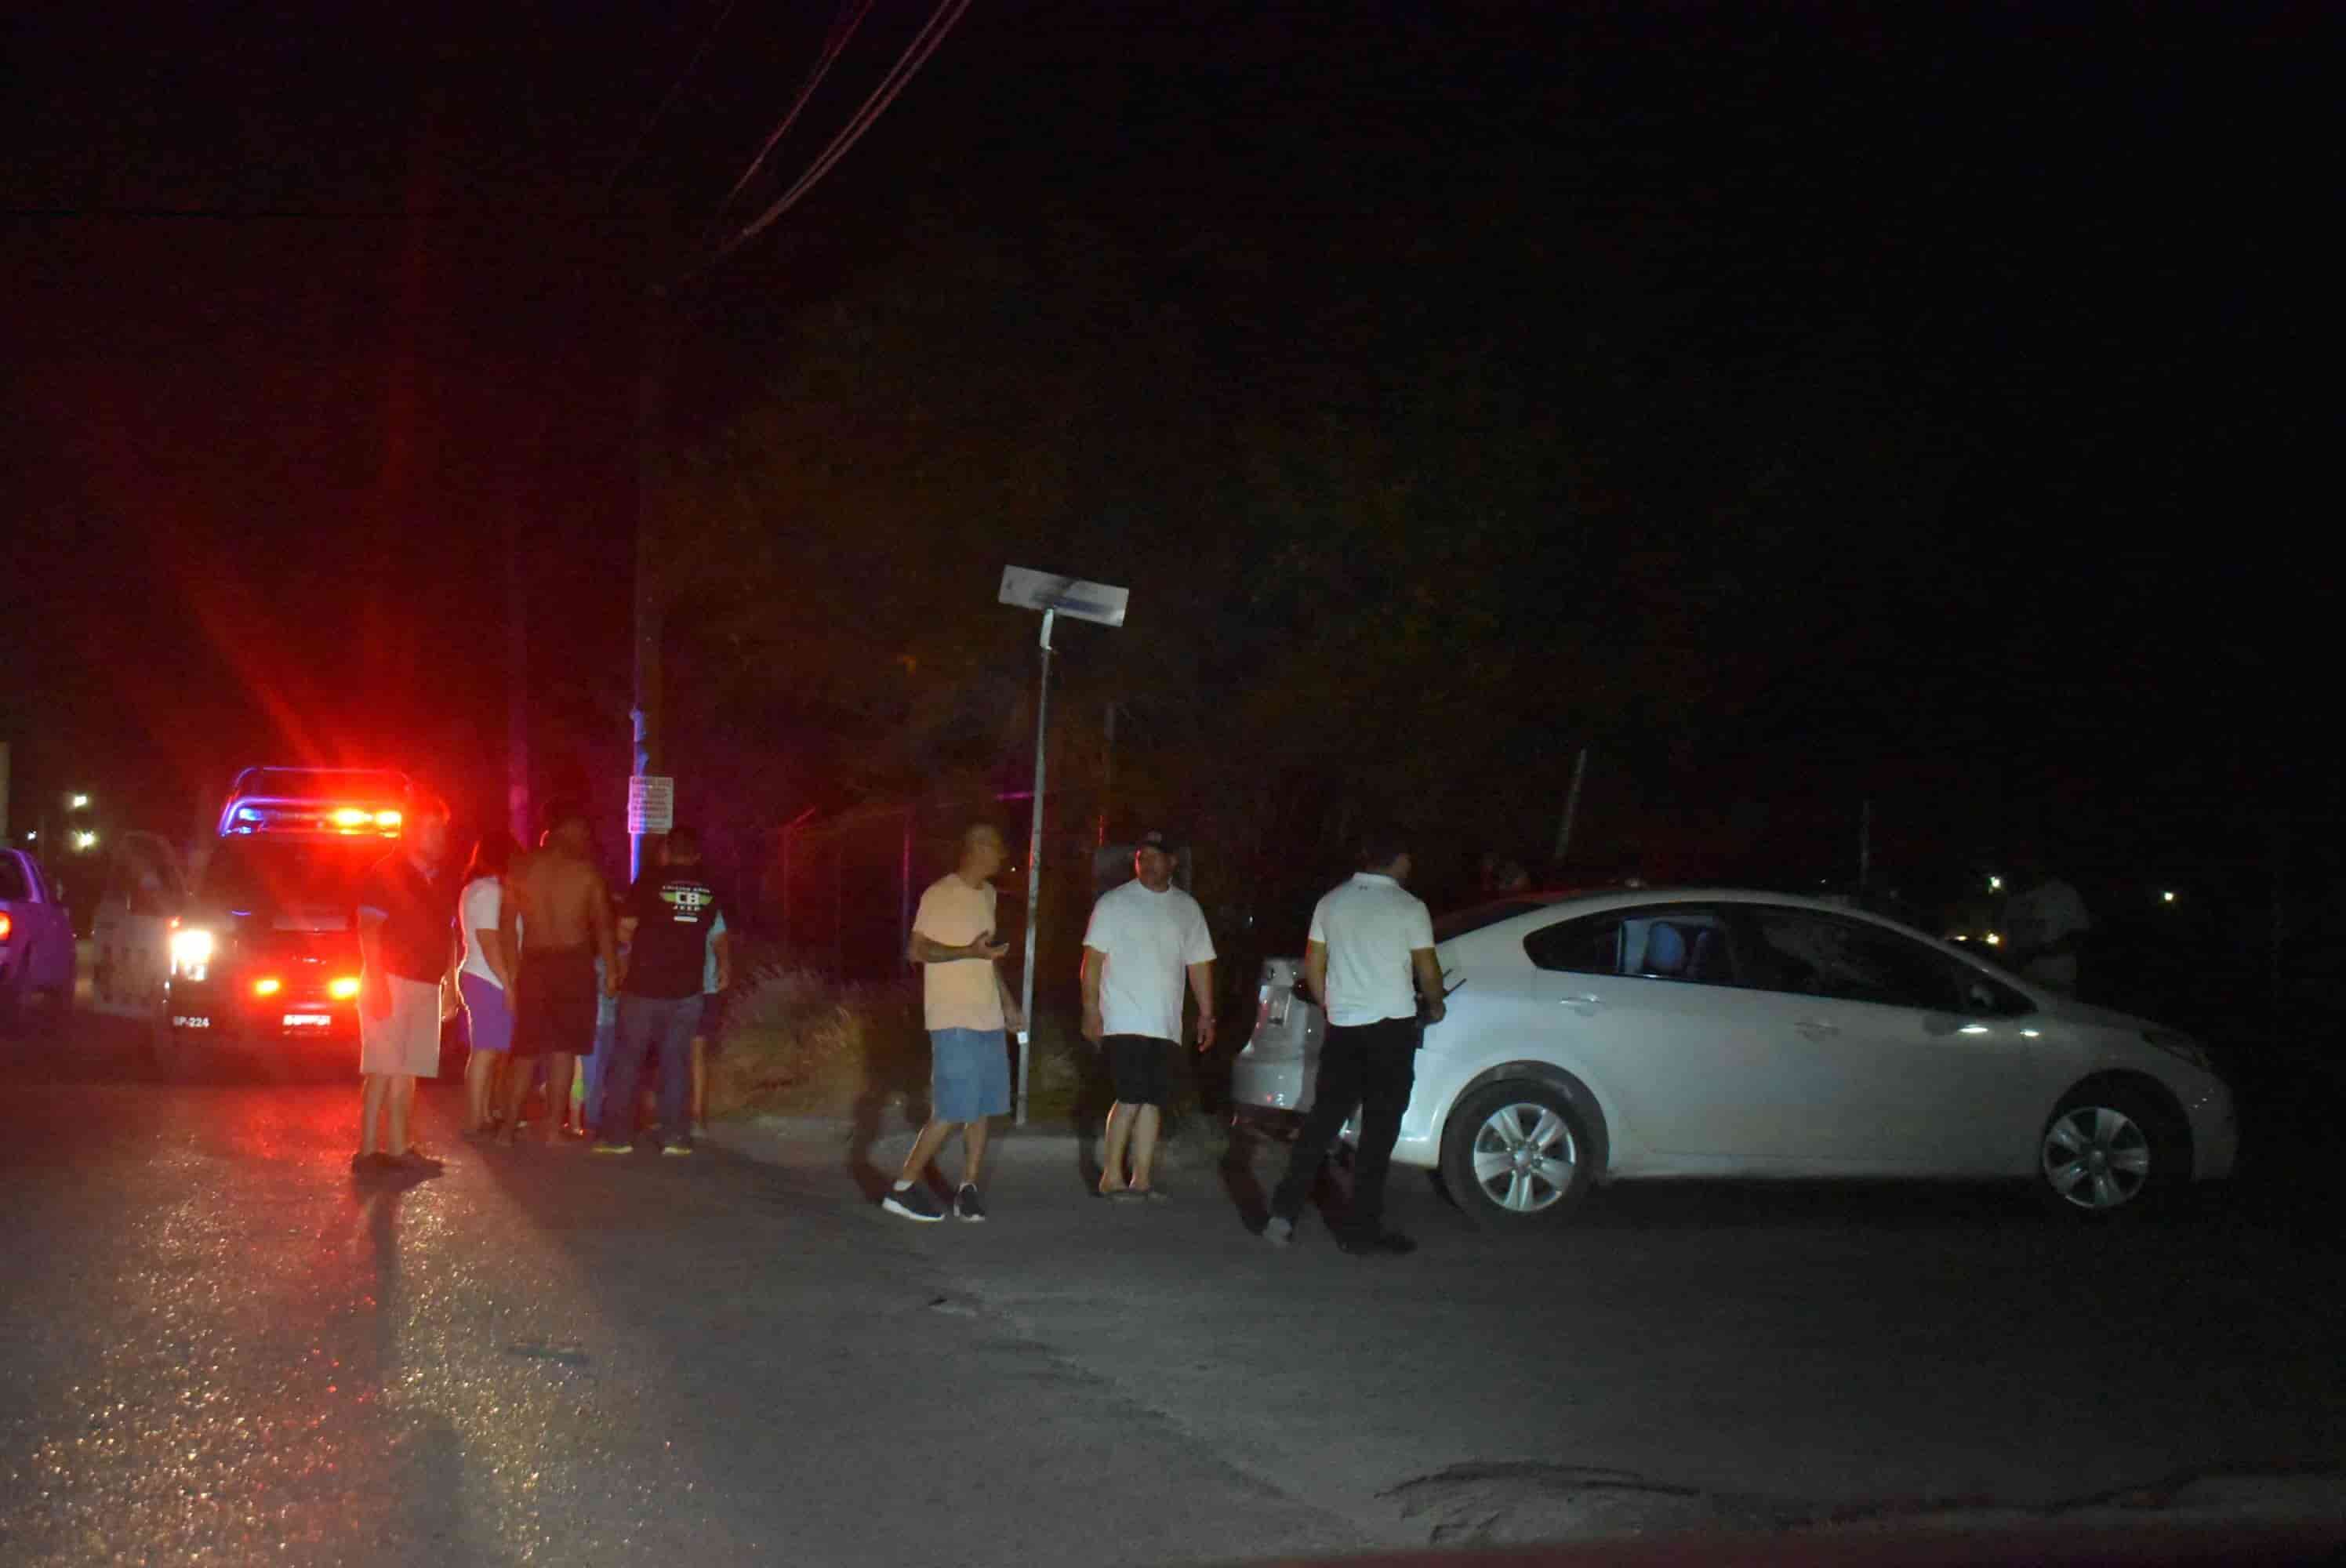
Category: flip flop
[1124,1194]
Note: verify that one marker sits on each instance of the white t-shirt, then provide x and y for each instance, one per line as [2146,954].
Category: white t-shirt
[2044,914]
[1370,926]
[1150,940]
[480,904]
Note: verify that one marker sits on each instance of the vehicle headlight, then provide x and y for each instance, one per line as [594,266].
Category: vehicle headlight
[192,949]
[2181,1046]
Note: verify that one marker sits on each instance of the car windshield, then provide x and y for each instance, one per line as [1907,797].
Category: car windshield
[257,873]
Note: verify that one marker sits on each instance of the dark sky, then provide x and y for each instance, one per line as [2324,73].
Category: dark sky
[307,307]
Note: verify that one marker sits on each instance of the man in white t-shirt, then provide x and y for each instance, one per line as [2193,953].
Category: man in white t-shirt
[1371,963]
[2044,925]
[1144,938]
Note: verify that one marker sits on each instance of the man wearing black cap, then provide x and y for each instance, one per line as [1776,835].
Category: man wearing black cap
[1142,938]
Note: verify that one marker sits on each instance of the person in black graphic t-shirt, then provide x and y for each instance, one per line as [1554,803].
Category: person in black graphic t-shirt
[665,923]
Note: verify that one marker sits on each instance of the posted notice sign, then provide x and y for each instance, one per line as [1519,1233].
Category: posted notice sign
[651,803]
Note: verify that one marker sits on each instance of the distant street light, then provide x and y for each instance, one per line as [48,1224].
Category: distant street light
[1995,884]
[85,840]
[2166,898]
[79,803]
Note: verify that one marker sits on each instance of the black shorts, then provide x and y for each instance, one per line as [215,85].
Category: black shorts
[1142,1067]
[560,994]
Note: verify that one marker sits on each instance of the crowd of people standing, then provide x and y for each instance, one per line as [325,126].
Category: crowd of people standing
[551,971]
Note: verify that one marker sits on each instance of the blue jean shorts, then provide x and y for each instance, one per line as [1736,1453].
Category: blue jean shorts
[969,1073]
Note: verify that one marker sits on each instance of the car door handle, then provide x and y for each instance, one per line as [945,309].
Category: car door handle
[1582,1004]
[1815,1028]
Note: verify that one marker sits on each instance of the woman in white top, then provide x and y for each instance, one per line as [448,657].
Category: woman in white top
[485,977]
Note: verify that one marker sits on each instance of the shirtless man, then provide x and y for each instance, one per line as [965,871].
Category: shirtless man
[564,913]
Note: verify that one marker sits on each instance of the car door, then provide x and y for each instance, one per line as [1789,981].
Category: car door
[1894,1057]
[1637,998]
[130,932]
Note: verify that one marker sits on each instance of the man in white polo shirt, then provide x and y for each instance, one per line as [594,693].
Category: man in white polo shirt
[1370,962]
[1143,939]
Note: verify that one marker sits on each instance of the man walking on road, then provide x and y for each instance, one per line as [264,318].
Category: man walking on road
[564,913]
[1370,961]
[666,923]
[967,1007]
[407,949]
[1144,937]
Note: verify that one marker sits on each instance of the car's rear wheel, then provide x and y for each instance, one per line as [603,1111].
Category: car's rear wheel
[1515,1155]
[181,1055]
[2107,1150]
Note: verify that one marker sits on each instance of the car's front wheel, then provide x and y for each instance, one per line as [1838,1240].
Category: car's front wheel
[1515,1155]
[2107,1150]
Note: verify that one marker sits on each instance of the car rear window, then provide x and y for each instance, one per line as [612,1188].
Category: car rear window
[14,888]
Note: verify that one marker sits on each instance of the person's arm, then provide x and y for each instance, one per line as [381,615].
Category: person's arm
[1315,971]
[374,984]
[1201,986]
[925,948]
[495,942]
[1013,1018]
[723,944]
[1095,962]
[1427,970]
[606,944]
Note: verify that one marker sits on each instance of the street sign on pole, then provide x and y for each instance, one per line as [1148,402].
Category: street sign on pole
[651,804]
[1055,596]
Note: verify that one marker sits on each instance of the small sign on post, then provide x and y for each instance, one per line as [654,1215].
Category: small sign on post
[651,803]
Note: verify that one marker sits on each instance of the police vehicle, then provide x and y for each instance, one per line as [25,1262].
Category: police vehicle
[263,954]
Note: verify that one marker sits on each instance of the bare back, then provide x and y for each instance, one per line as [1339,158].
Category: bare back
[564,904]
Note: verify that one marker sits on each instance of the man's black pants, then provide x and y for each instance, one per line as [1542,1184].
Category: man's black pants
[1372,1067]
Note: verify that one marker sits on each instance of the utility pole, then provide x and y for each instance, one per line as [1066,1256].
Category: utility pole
[651,434]
[516,681]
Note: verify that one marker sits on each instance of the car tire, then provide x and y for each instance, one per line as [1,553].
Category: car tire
[1516,1156]
[180,1056]
[2110,1151]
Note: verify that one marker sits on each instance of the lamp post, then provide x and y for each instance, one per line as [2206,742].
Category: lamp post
[1055,596]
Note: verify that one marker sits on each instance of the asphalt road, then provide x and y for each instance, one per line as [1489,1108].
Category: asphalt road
[215,1346]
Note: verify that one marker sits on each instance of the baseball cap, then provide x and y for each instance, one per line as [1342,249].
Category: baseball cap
[1157,839]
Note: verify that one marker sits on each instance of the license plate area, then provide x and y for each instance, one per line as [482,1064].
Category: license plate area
[308,1021]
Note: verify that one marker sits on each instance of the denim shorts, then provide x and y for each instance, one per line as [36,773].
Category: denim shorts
[969,1073]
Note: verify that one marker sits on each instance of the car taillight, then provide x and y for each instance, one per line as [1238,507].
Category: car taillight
[345,987]
[270,986]
[191,951]
[7,924]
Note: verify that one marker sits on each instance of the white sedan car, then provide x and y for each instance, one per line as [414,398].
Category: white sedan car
[1715,1032]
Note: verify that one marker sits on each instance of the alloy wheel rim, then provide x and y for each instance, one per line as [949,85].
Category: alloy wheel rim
[1523,1157]
[2097,1158]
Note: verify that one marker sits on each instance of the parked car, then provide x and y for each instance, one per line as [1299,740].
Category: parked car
[37,942]
[1638,1032]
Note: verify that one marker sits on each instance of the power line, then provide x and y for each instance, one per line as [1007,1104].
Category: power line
[643,137]
[843,28]
[941,22]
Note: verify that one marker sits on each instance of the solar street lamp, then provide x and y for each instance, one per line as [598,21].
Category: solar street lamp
[1055,596]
